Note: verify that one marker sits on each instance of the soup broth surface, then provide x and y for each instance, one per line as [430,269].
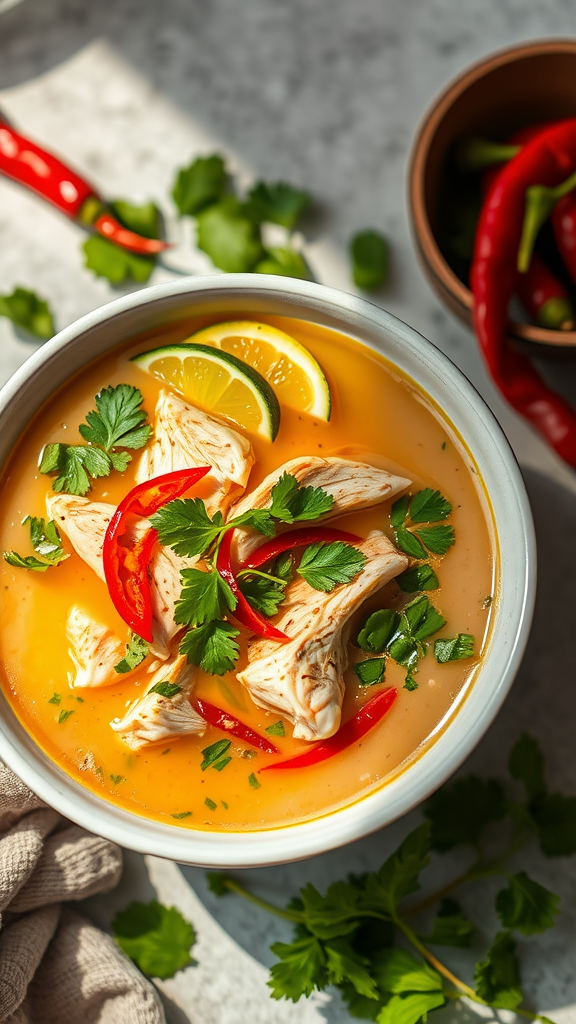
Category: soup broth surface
[378,416]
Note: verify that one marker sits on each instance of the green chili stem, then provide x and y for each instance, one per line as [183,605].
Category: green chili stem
[540,201]
[476,154]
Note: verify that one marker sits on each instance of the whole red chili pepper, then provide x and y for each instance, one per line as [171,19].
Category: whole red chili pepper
[43,173]
[297,538]
[228,723]
[126,564]
[564,227]
[349,733]
[547,159]
[244,612]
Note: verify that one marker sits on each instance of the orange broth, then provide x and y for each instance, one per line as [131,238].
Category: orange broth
[377,415]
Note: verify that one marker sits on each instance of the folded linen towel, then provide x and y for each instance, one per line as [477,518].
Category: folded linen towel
[55,966]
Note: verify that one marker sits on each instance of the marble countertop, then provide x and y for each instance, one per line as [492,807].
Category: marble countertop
[326,95]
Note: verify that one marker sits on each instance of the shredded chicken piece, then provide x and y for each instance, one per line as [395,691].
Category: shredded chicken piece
[353,485]
[304,679]
[84,522]
[165,586]
[94,649]
[155,717]
[185,437]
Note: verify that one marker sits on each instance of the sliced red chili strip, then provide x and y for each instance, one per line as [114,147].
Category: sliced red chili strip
[110,228]
[353,730]
[42,172]
[244,612]
[297,538]
[228,723]
[126,565]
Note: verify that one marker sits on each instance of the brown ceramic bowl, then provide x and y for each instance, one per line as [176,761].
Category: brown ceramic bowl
[501,94]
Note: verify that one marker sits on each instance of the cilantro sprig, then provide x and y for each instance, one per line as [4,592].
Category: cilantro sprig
[347,937]
[46,542]
[426,506]
[157,938]
[400,635]
[117,422]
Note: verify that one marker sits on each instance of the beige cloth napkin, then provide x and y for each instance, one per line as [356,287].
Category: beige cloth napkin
[55,966]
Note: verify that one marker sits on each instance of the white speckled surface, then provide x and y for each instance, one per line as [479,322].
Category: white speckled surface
[326,94]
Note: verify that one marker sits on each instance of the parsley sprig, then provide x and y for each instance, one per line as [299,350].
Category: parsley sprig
[46,542]
[117,422]
[426,506]
[347,936]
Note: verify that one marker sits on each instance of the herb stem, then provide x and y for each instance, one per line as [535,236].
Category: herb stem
[463,988]
[288,915]
[264,575]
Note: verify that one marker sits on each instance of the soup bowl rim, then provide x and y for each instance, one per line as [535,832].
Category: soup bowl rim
[473,421]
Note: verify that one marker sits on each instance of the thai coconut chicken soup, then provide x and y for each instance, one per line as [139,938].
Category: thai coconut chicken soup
[248,574]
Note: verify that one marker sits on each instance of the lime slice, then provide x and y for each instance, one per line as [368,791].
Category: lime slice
[218,382]
[291,369]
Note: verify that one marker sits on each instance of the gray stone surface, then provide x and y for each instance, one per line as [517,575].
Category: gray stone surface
[326,94]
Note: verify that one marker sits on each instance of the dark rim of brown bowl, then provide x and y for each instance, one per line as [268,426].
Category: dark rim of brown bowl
[421,223]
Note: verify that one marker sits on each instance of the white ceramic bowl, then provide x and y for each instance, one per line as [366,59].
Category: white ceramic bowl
[106,327]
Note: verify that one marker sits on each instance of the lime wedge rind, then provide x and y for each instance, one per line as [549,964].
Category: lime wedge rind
[259,387]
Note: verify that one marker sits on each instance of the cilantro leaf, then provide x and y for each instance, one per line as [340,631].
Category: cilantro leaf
[284,263]
[398,971]
[166,689]
[205,596]
[460,811]
[212,646]
[526,905]
[282,567]
[370,671]
[228,234]
[398,876]
[409,543]
[369,255]
[25,561]
[344,964]
[29,312]
[256,519]
[410,1009]
[418,577]
[454,648]
[185,526]
[278,203]
[212,754]
[378,630]
[450,928]
[210,804]
[400,510]
[218,883]
[106,259]
[56,699]
[63,716]
[118,421]
[301,968]
[555,818]
[253,781]
[276,729]
[137,650]
[438,539]
[332,915]
[200,185]
[324,566]
[263,594]
[429,506]
[74,464]
[498,977]
[526,764]
[45,540]
[292,503]
[158,939]
[421,619]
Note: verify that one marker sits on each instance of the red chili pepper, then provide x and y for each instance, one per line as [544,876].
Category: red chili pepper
[349,733]
[222,720]
[297,538]
[564,227]
[42,172]
[125,565]
[244,612]
[547,159]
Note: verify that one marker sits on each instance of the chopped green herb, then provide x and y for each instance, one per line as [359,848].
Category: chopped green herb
[378,630]
[182,814]
[253,781]
[219,765]
[230,235]
[205,596]
[56,699]
[371,671]
[278,203]
[79,699]
[158,939]
[426,506]
[212,646]
[224,805]
[137,650]
[284,263]
[369,255]
[117,779]
[29,312]
[276,729]
[324,566]
[416,578]
[443,446]
[454,648]
[200,185]
[214,752]
[165,689]
[45,540]
[210,804]
[63,716]
[487,601]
